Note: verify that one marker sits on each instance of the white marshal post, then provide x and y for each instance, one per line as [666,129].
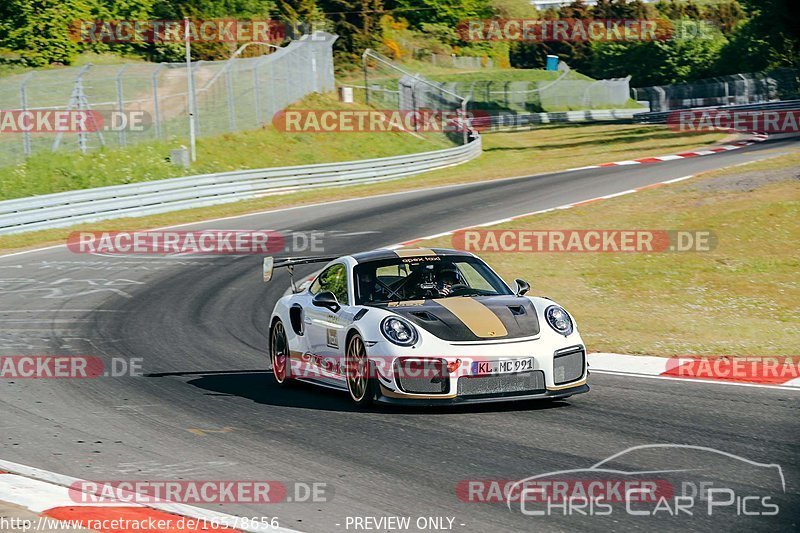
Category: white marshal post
[190,96]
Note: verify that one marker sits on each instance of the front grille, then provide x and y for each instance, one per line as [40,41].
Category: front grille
[502,384]
[569,365]
[422,376]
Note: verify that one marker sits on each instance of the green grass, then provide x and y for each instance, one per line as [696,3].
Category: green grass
[414,66]
[12,67]
[49,172]
[740,299]
[509,154]
[506,75]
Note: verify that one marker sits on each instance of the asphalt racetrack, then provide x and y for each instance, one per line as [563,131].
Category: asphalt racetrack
[207,408]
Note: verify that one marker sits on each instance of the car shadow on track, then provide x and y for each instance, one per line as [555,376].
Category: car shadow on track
[258,386]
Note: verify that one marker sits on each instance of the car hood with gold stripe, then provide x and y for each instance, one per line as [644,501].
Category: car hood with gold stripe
[466,318]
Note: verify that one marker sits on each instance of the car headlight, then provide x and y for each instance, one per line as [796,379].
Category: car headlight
[559,320]
[399,331]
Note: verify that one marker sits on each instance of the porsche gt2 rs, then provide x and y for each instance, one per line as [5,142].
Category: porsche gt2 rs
[429,326]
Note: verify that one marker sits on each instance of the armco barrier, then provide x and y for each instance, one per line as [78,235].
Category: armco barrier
[501,121]
[661,117]
[138,199]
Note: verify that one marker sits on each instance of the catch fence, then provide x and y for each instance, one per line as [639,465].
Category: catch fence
[236,94]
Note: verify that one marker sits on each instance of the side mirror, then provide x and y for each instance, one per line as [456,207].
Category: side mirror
[327,300]
[269,264]
[521,287]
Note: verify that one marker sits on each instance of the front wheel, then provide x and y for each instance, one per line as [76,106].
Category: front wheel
[357,372]
[279,355]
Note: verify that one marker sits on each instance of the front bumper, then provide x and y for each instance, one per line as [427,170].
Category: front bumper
[560,373]
[385,396]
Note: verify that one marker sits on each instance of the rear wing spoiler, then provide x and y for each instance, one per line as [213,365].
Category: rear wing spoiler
[270,264]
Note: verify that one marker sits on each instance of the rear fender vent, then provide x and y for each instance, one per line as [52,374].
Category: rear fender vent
[296,318]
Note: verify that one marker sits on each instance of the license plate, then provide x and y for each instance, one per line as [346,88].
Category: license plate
[502,366]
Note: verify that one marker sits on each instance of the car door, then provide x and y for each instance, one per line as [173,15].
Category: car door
[326,328]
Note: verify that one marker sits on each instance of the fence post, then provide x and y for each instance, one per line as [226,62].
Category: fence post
[312,52]
[745,89]
[229,92]
[414,103]
[156,110]
[273,107]
[257,92]
[366,75]
[287,83]
[77,99]
[120,103]
[465,124]
[81,133]
[23,96]
[193,96]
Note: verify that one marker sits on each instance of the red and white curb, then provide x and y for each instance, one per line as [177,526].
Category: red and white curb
[48,494]
[683,155]
[539,212]
[646,160]
[776,373]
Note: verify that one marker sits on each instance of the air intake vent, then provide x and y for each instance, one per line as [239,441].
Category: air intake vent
[569,365]
[516,310]
[424,315]
[422,376]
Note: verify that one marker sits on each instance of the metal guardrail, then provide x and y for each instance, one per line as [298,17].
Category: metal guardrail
[147,198]
[661,117]
[487,123]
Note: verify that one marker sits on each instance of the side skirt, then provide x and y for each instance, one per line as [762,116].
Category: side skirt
[341,388]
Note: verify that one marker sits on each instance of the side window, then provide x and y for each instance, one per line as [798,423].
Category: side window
[333,279]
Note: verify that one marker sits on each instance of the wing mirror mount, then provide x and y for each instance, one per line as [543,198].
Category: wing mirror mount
[521,287]
[327,300]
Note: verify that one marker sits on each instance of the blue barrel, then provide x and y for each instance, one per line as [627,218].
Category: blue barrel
[552,62]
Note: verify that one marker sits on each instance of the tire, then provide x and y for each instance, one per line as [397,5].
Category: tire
[279,355]
[357,372]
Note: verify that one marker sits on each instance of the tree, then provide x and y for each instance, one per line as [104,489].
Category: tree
[450,12]
[678,9]
[726,15]
[357,22]
[659,62]
[40,29]
[769,39]
[620,9]
[299,11]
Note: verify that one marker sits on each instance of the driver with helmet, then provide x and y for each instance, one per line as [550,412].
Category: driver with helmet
[448,278]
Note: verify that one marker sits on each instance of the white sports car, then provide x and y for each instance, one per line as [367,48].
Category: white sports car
[421,325]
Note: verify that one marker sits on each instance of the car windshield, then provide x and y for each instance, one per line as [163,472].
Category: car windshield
[419,278]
